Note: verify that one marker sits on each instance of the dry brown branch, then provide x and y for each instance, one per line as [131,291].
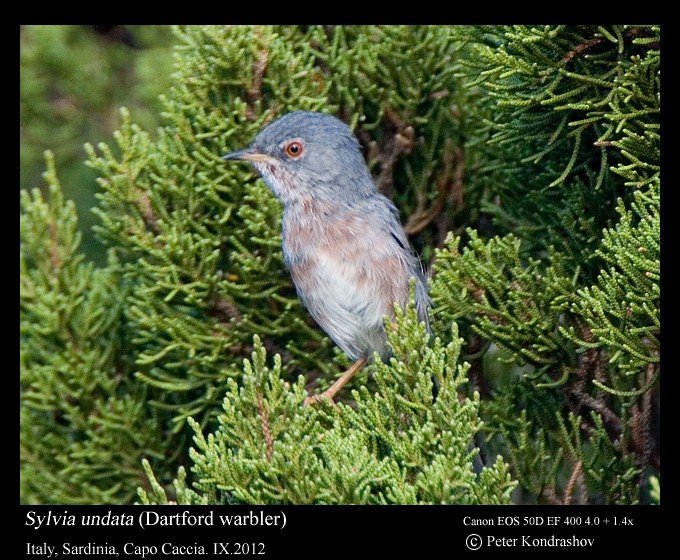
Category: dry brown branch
[576,475]
[254,93]
[399,141]
[449,185]
[224,310]
[266,432]
[148,214]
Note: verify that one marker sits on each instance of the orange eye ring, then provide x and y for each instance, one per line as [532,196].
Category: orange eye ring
[294,149]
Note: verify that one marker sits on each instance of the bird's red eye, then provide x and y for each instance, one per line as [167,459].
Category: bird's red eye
[294,149]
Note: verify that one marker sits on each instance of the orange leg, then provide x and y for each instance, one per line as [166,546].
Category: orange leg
[339,384]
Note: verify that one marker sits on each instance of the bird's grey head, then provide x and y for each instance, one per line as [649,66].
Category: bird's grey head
[305,154]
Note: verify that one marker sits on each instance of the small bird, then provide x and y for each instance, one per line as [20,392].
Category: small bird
[343,242]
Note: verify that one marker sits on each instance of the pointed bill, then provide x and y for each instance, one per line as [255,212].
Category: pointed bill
[247,154]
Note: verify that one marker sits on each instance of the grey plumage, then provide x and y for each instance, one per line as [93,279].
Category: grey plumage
[343,242]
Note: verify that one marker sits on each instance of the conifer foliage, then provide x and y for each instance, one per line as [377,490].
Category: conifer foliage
[525,162]
[84,425]
[570,288]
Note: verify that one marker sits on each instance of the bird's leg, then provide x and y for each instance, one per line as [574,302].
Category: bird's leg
[339,384]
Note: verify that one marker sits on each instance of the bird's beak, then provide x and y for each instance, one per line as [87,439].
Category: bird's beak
[247,154]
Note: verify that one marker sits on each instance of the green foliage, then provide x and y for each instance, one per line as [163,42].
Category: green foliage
[84,428]
[398,445]
[200,242]
[622,311]
[73,80]
[572,293]
[655,489]
[554,459]
[511,300]
[570,110]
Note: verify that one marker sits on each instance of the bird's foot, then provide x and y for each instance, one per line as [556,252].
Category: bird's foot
[339,384]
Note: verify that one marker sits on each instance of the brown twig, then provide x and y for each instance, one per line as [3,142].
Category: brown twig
[550,496]
[254,93]
[55,259]
[449,184]
[224,310]
[576,475]
[593,365]
[640,423]
[400,137]
[148,214]
[598,406]
[583,47]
